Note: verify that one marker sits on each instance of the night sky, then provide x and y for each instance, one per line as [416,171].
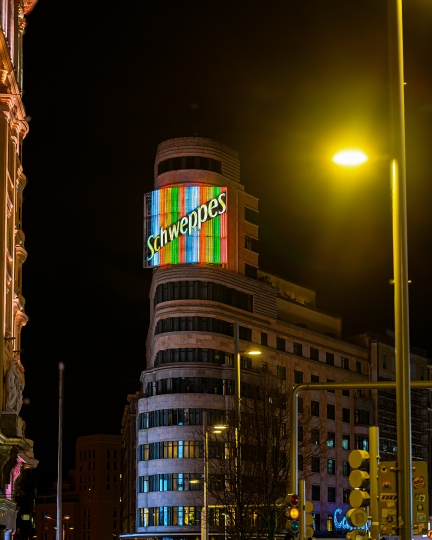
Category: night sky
[286,84]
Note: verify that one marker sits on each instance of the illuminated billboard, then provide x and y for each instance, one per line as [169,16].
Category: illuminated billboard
[186,224]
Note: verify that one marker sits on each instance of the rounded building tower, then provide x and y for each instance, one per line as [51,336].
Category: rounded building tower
[200,235]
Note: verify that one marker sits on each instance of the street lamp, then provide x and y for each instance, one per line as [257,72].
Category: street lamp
[217,429]
[402,345]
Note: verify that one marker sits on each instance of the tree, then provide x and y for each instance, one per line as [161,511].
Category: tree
[247,486]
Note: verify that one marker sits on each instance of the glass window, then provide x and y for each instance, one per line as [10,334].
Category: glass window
[331,411]
[331,466]
[314,378]
[331,438]
[315,408]
[345,468]
[313,353]
[346,415]
[331,494]
[346,393]
[358,367]
[264,339]
[330,358]
[298,349]
[298,377]
[281,373]
[384,361]
[280,344]
[346,495]
[315,436]
[315,464]
[362,417]
[346,442]
[316,493]
[345,363]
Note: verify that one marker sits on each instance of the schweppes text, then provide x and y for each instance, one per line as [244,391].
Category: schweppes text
[187,224]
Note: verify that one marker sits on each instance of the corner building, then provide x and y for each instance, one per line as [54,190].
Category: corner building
[190,353]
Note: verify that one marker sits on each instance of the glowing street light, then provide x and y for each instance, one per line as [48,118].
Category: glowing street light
[351,157]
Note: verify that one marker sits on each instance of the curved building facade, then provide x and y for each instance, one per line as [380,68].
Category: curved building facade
[201,238]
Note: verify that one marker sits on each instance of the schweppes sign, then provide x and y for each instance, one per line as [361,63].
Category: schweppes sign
[186,224]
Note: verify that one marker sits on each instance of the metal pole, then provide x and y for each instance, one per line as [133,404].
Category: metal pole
[237,375]
[302,500]
[402,353]
[400,268]
[60,452]
[374,458]
[204,519]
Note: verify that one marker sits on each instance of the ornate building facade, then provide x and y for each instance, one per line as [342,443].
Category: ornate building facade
[16,452]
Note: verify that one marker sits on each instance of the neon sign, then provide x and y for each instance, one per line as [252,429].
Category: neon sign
[343,523]
[186,224]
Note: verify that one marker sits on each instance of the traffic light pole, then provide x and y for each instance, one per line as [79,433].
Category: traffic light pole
[302,496]
[373,485]
[377,385]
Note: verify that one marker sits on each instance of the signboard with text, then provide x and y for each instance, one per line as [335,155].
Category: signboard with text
[186,224]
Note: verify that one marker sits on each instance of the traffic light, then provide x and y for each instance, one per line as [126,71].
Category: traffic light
[308,509]
[292,513]
[360,480]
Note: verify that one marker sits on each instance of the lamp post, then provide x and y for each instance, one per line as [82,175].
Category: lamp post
[204,517]
[402,345]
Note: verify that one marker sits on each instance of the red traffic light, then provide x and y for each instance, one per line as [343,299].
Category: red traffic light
[294,500]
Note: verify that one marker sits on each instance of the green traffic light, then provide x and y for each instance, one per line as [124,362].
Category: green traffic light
[294,526]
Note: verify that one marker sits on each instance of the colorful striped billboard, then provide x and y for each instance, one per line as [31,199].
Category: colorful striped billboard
[186,224]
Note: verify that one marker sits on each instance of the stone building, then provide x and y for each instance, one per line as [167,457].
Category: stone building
[16,452]
[200,288]
[91,496]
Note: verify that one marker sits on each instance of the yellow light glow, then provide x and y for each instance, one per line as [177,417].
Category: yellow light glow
[195,481]
[294,513]
[220,426]
[351,157]
[254,352]
[217,431]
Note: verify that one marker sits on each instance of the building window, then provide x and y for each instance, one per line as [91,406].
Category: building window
[330,381]
[315,436]
[345,363]
[315,464]
[331,466]
[245,333]
[330,523]
[300,405]
[346,393]
[315,408]
[384,361]
[298,349]
[345,468]
[330,358]
[317,521]
[251,243]
[314,378]
[251,271]
[362,417]
[300,462]
[251,215]
[331,411]
[264,339]
[331,494]
[298,377]
[331,439]
[281,373]
[190,162]
[300,433]
[313,353]
[280,344]
[346,415]
[346,442]
[316,492]
[361,442]
[346,495]
[203,290]
[358,367]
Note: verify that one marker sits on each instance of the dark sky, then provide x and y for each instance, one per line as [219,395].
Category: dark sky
[286,84]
